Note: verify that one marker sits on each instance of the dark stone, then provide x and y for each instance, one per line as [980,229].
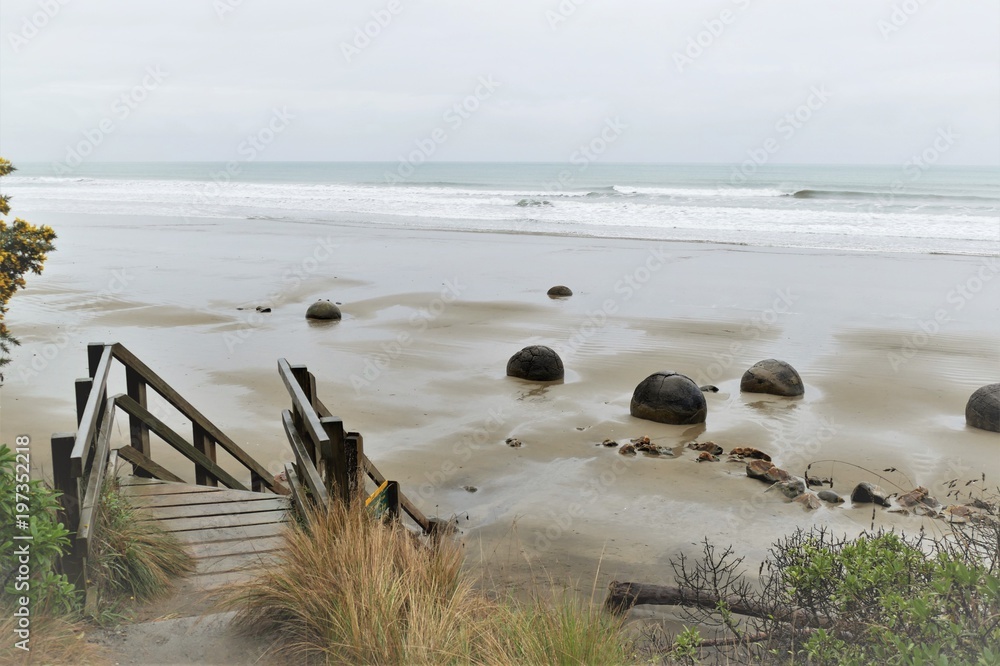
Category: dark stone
[536,363]
[830,496]
[774,377]
[323,310]
[669,397]
[560,291]
[983,408]
[791,488]
[867,493]
[513,443]
[708,388]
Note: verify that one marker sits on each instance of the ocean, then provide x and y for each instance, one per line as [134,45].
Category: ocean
[916,207]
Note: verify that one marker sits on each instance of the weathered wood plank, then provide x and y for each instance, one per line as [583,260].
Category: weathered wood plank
[91,412]
[240,547]
[168,435]
[167,489]
[307,470]
[244,562]
[92,495]
[298,491]
[221,509]
[140,461]
[303,405]
[238,534]
[177,400]
[190,499]
[230,520]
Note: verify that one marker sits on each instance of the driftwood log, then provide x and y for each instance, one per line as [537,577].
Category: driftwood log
[623,595]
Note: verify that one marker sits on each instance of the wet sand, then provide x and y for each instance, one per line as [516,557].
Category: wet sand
[889,346]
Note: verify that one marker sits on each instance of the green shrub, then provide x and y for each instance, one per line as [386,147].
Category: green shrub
[48,590]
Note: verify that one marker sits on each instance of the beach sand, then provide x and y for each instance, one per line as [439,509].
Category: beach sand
[890,346]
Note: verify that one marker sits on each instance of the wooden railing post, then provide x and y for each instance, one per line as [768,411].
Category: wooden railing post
[354,453]
[135,388]
[302,376]
[204,443]
[335,464]
[69,487]
[83,387]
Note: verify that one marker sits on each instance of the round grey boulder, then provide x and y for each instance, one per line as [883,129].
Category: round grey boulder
[560,291]
[324,310]
[536,363]
[774,377]
[983,409]
[669,397]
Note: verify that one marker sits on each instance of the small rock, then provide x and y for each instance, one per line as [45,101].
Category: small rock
[641,441]
[627,450]
[791,488]
[866,493]
[808,500]
[261,308]
[609,443]
[914,497]
[830,496]
[323,310]
[705,456]
[708,388]
[957,513]
[710,447]
[513,442]
[536,363]
[774,377]
[470,489]
[766,471]
[749,452]
[560,291]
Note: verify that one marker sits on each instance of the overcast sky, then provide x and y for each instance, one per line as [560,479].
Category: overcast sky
[889,81]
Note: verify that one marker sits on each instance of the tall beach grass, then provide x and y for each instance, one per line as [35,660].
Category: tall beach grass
[352,590]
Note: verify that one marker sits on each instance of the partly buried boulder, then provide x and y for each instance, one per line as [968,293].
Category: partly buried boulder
[669,397]
[983,409]
[867,493]
[560,291]
[774,377]
[536,363]
[324,310]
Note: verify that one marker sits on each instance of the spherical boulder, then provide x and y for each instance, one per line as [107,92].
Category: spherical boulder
[983,409]
[536,363]
[774,377]
[324,310]
[560,291]
[669,397]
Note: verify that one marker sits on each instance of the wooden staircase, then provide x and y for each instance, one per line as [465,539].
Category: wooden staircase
[231,534]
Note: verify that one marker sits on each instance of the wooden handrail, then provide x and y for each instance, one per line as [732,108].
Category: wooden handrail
[303,407]
[95,481]
[309,475]
[88,423]
[157,383]
[167,434]
[375,475]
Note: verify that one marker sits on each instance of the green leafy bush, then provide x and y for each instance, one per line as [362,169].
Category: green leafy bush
[48,590]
